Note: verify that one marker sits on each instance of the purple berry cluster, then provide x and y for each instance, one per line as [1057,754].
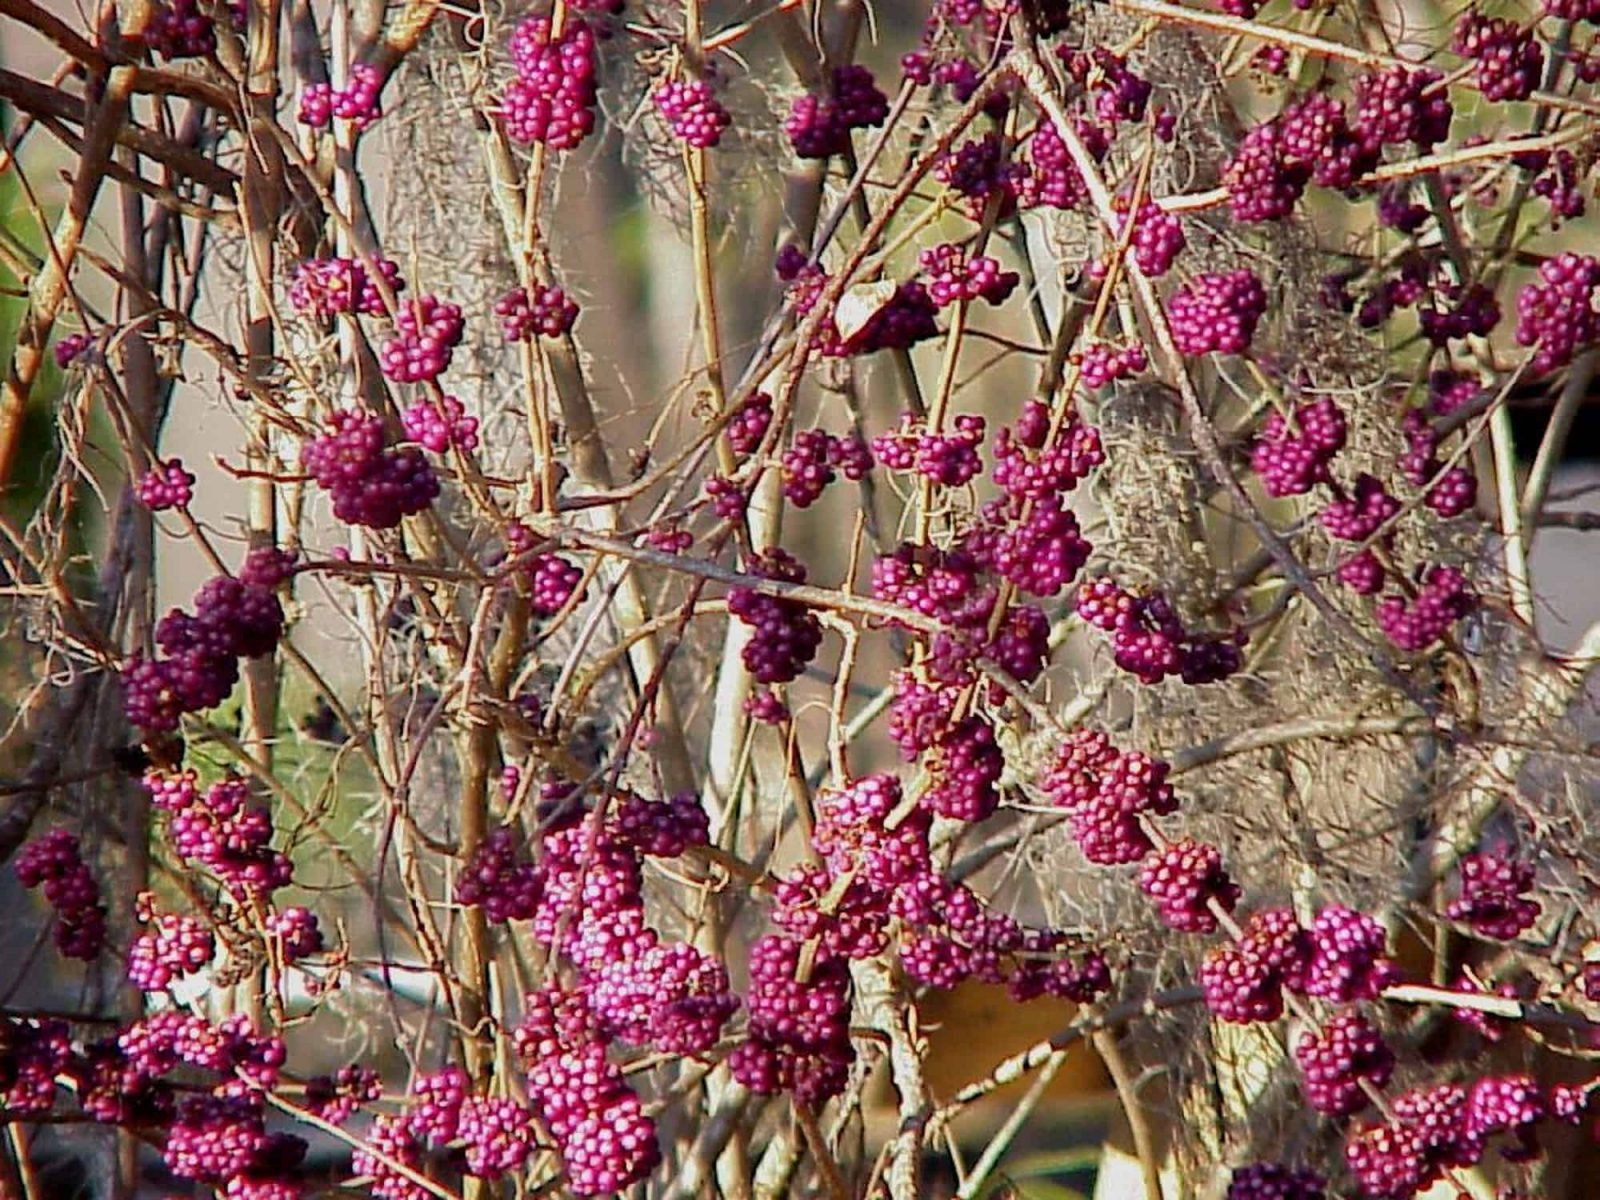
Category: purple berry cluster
[1560,314]
[1158,239]
[953,277]
[552,99]
[427,330]
[226,831]
[358,102]
[946,459]
[1339,1060]
[233,618]
[439,426]
[1217,313]
[748,426]
[176,946]
[813,459]
[165,485]
[322,287]
[693,112]
[545,310]
[1150,642]
[552,581]
[1293,454]
[1107,795]
[1185,879]
[1443,598]
[369,482]
[72,348]
[178,29]
[819,126]
[1102,364]
[1274,1181]
[1494,898]
[1507,61]
[785,634]
[53,862]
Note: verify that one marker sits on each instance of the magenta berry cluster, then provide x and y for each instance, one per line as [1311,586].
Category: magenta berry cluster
[54,863]
[693,112]
[1293,453]
[178,29]
[784,634]
[819,126]
[369,482]
[72,348]
[543,310]
[1442,599]
[174,947]
[440,426]
[1108,794]
[1150,642]
[815,458]
[552,99]
[1559,314]
[1507,61]
[953,277]
[946,459]
[323,287]
[1494,898]
[1339,1061]
[165,485]
[427,330]
[1217,312]
[358,102]
[233,618]
[1185,880]
[226,830]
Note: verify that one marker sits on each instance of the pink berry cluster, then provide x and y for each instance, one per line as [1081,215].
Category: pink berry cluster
[552,99]
[200,1085]
[1150,642]
[1217,312]
[584,898]
[946,459]
[1442,599]
[1107,795]
[1450,491]
[323,287]
[439,426]
[224,829]
[1442,1127]
[165,485]
[1293,453]
[178,29]
[427,330]
[370,483]
[175,946]
[1339,1061]
[605,1138]
[747,427]
[1559,315]
[552,582]
[233,618]
[491,1136]
[820,126]
[954,277]
[814,459]
[1274,1181]
[542,311]
[1102,364]
[1158,239]
[358,102]
[1494,898]
[53,862]
[295,932]
[693,112]
[335,1098]
[785,634]
[1507,61]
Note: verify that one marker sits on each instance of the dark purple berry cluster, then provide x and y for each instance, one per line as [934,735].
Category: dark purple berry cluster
[819,126]
[370,483]
[1150,642]
[1494,898]
[53,862]
[546,311]
[813,460]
